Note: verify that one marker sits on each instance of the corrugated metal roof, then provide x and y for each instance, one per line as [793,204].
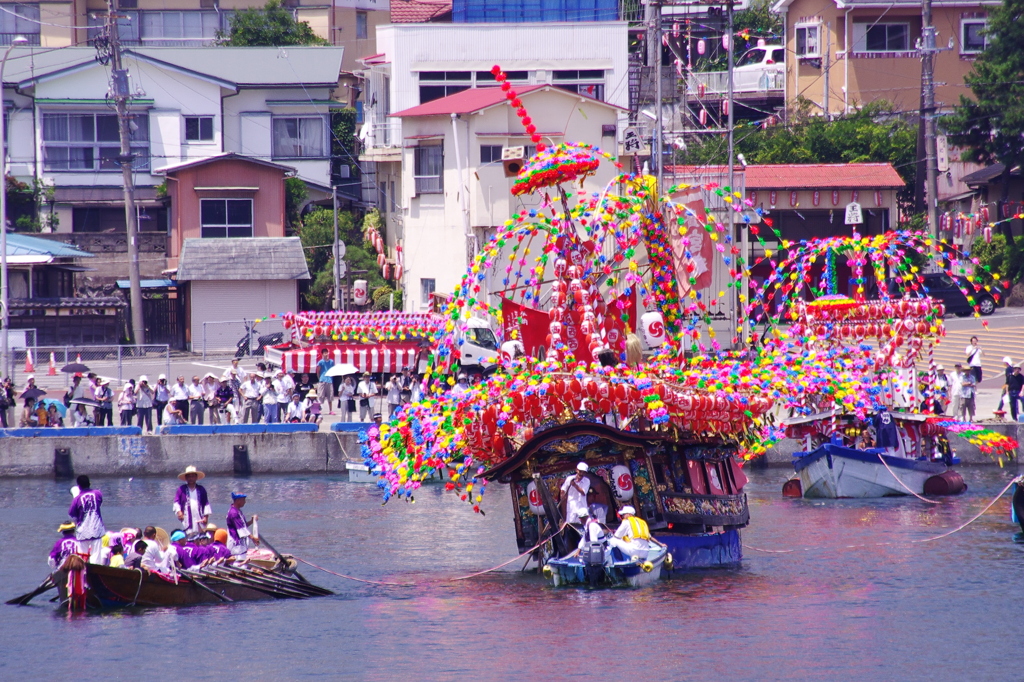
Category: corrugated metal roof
[226,156]
[24,245]
[238,65]
[806,176]
[242,259]
[418,11]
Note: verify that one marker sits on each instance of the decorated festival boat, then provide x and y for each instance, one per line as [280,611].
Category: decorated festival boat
[899,445]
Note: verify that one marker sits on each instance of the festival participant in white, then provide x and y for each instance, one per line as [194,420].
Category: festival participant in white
[575,489]
[632,536]
[191,503]
[85,511]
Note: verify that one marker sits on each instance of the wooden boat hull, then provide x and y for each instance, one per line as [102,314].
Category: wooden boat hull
[629,573]
[832,471]
[110,588]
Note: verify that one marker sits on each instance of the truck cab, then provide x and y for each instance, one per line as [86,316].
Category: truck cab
[478,346]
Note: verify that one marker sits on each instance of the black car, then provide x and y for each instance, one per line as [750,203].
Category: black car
[950,292]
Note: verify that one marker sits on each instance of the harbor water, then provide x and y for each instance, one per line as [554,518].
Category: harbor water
[859,599]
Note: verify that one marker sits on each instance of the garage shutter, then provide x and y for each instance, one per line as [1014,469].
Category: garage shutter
[224,304]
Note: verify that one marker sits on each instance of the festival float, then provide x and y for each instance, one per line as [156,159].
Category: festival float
[667,434]
[901,446]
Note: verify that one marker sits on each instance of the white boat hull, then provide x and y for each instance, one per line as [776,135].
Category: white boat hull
[838,476]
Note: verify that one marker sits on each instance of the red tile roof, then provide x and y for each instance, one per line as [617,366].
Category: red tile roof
[465,102]
[806,176]
[419,11]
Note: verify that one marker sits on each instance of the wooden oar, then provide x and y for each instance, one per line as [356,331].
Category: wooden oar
[280,557]
[192,576]
[232,581]
[24,599]
[258,584]
[286,587]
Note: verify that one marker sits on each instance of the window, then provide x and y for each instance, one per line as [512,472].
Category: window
[179,28]
[972,36]
[221,218]
[877,37]
[438,84]
[588,82]
[199,128]
[429,169]
[361,32]
[485,79]
[90,142]
[490,153]
[482,337]
[427,287]
[19,20]
[808,40]
[127,27]
[296,138]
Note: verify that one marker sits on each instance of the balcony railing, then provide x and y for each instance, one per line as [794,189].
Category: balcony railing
[385,135]
[717,82]
[8,38]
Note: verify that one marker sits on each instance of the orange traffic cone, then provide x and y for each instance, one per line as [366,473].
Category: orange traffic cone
[29,367]
[53,366]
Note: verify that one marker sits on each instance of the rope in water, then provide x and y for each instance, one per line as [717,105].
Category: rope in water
[924,499]
[878,544]
[436,580]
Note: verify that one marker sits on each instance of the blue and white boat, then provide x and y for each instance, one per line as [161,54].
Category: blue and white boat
[612,570]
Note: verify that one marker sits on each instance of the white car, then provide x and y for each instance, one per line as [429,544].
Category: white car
[760,68]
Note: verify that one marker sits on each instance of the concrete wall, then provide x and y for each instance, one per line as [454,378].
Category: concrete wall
[166,455]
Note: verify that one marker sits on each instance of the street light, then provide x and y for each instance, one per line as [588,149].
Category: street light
[4,293]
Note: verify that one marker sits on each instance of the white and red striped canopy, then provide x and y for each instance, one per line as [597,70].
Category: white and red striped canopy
[386,358]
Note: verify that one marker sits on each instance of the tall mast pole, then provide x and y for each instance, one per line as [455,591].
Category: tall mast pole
[654,54]
[928,52]
[121,95]
[739,320]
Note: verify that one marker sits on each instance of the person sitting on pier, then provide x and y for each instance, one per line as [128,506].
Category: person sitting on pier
[575,489]
[632,537]
[240,538]
[65,547]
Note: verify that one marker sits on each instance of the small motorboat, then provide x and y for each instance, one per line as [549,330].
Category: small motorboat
[599,566]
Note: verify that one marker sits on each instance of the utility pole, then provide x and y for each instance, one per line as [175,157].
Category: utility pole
[337,254]
[654,62]
[826,65]
[121,94]
[739,319]
[926,46]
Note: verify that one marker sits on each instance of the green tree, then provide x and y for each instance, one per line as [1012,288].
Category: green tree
[875,133]
[757,21]
[269,26]
[295,195]
[343,146]
[317,235]
[989,125]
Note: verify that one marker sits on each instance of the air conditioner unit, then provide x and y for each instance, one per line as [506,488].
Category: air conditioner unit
[512,159]
[128,4]
[207,4]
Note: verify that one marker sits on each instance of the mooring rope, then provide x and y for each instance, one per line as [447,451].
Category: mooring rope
[905,487]
[959,528]
[437,580]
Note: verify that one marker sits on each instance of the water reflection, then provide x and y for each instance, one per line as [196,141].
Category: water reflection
[858,599]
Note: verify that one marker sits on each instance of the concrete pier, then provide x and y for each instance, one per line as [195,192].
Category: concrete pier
[268,453]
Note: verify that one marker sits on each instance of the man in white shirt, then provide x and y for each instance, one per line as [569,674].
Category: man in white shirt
[179,397]
[633,537]
[250,392]
[296,411]
[196,402]
[269,398]
[575,489]
[156,558]
[461,386]
[366,390]
[284,385]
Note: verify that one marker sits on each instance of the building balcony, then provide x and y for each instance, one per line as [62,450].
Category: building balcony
[384,142]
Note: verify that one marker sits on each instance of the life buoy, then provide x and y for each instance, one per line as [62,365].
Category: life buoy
[623,482]
[534,499]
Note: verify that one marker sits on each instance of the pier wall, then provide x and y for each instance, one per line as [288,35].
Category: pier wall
[269,453]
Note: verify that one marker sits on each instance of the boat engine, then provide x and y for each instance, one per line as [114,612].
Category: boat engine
[592,557]
[947,483]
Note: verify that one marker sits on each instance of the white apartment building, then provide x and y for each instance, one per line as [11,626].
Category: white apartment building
[432,146]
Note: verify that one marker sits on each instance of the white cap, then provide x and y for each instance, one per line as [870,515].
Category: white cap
[582,466]
[1007,360]
[627,510]
[162,377]
[143,378]
[30,376]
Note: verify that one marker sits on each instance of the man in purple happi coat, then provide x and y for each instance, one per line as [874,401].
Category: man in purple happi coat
[191,504]
[240,539]
[184,551]
[64,547]
[85,512]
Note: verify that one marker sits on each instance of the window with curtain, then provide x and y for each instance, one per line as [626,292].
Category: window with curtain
[879,37]
[225,218]
[299,137]
[179,28]
[90,142]
[428,170]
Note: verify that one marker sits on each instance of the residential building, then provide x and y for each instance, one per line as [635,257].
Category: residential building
[865,50]
[451,184]
[227,281]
